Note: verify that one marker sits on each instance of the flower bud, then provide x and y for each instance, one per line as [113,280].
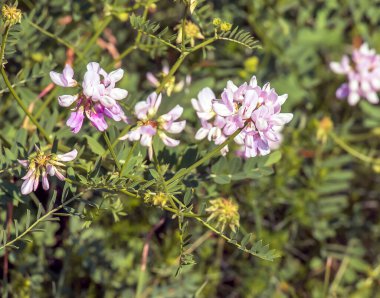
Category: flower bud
[216,22]
[225,26]
[324,128]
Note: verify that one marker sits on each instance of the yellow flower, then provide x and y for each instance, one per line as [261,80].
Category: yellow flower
[225,26]
[225,213]
[217,22]
[158,199]
[192,32]
[11,14]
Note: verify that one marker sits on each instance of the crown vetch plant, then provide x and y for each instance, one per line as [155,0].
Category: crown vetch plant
[248,115]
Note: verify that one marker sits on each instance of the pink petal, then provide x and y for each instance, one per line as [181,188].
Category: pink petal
[222,109]
[27,186]
[168,141]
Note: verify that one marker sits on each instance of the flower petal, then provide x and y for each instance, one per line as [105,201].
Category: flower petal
[69,156]
[67,100]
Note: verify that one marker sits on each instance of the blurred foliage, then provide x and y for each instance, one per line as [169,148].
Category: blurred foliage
[318,206]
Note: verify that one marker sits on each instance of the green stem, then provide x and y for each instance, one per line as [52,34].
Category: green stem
[42,218]
[354,152]
[203,44]
[13,92]
[205,158]
[172,72]
[53,36]
[109,145]
[99,31]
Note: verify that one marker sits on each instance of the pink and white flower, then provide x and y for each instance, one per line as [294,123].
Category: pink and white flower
[254,110]
[363,74]
[98,98]
[42,165]
[148,125]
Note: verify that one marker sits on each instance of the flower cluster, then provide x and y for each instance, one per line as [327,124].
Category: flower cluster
[148,125]
[40,166]
[363,74]
[224,212]
[97,99]
[11,15]
[254,110]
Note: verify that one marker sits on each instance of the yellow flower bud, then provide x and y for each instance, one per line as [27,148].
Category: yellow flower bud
[225,26]
[216,22]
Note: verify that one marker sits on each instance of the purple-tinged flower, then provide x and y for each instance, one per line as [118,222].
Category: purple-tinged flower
[98,98]
[254,110]
[203,106]
[42,165]
[148,125]
[64,79]
[363,74]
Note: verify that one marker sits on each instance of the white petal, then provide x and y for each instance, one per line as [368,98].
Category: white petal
[201,133]
[167,140]
[118,93]
[67,100]
[116,75]
[176,127]
[57,79]
[27,186]
[353,98]
[221,109]
[146,140]
[69,156]
[372,97]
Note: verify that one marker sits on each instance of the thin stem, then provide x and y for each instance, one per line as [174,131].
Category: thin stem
[13,92]
[99,31]
[205,158]
[109,145]
[24,108]
[353,151]
[171,72]
[5,37]
[41,219]
[203,44]
[53,36]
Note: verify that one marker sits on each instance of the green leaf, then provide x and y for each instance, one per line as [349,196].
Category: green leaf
[95,146]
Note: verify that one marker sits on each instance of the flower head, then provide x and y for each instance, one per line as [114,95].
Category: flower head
[225,213]
[97,99]
[42,165]
[192,32]
[254,110]
[363,74]
[11,14]
[148,124]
